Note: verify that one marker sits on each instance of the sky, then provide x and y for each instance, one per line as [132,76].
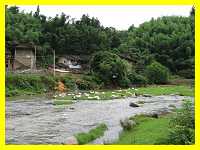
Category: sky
[120,17]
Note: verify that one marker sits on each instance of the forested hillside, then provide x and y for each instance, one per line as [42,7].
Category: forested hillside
[168,40]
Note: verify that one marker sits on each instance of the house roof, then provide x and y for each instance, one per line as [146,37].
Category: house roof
[27,46]
[75,57]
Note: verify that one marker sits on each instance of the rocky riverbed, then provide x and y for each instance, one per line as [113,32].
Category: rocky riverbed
[38,121]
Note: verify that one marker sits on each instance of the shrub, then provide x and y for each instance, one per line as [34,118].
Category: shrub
[28,82]
[16,84]
[84,138]
[92,78]
[34,82]
[49,82]
[21,84]
[182,125]
[137,79]
[157,73]
[110,68]
[10,93]
[187,73]
[127,124]
[68,82]
[125,82]
[86,85]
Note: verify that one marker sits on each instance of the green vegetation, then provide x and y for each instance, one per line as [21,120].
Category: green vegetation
[147,131]
[17,85]
[36,84]
[28,84]
[84,138]
[110,68]
[122,93]
[157,73]
[174,128]
[116,59]
[21,27]
[137,79]
[167,89]
[182,126]
[98,95]
[168,40]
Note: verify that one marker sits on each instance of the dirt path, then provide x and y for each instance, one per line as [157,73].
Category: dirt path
[40,122]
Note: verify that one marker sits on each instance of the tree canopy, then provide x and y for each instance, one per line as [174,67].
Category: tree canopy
[168,40]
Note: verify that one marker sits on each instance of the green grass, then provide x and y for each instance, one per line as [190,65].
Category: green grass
[148,131]
[168,89]
[84,138]
[98,95]
[21,92]
[117,94]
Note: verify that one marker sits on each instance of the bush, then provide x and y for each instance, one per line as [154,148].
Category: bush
[28,82]
[21,84]
[125,82]
[188,73]
[84,138]
[24,84]
[49,82]
[68,82]
[137,79]
[127,124]
[10,93]
[157,73]
[86,85]
[182,126]
[110,68]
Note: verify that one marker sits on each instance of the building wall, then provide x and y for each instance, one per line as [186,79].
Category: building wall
[67,62]
[64,61]
[24,59]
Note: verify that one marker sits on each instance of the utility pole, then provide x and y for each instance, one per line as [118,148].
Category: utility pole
[35,57]
[54,62]
[14,59]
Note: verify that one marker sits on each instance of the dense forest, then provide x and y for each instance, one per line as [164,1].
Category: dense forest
[167,40]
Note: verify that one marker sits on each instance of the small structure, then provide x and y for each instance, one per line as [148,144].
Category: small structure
[69,62]
[73,63]
[20,57]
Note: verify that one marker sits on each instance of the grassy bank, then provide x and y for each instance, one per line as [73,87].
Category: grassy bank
[17,85]
[167,89]
[148,131]
[176,128]
[86,87]
[122,93]
[84,138]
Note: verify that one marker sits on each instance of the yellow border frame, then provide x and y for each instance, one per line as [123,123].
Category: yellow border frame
[196,3]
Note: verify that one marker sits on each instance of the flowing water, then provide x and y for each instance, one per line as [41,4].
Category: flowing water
[38,121]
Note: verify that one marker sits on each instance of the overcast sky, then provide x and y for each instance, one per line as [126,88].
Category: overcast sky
[120,17]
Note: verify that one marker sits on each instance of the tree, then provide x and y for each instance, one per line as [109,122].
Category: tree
[21,27]
[37,13]
[168,40]
[110,68]
[157,73]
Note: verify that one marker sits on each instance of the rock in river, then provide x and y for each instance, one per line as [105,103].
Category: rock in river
[133,104]
[71,141]
[146,95]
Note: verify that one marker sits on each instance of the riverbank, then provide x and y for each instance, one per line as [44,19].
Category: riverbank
[155,90]
[75,84]
[130,92]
